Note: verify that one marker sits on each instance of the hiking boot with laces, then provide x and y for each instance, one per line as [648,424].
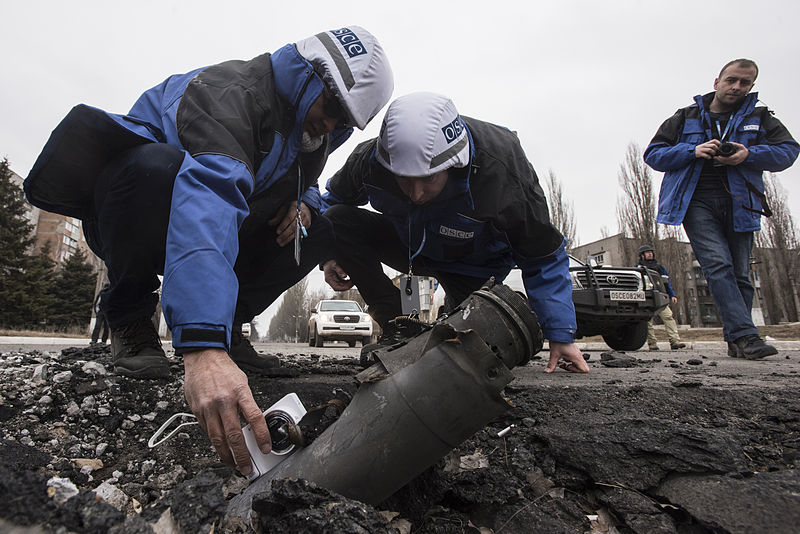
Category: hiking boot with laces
[752,347]
[136,350]
[677,345]
[246,357]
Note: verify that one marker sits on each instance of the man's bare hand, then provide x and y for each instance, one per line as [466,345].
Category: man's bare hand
[217,392]
[569,352]
[286,219]
[737,157]
[707,150]
[336,277]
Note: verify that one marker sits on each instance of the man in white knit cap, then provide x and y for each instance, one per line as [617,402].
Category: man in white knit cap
[206,180]
[456,198]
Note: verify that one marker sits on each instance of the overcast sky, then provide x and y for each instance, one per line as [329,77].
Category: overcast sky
[578,80]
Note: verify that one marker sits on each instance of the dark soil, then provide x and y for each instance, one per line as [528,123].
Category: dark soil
[671,458]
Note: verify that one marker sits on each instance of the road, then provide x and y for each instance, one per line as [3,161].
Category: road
[705,362]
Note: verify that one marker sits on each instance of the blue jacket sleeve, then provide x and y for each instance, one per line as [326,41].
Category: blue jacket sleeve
[667,284]
[200,288]
[312,198]
[775,149]
[549,288]
[665,153]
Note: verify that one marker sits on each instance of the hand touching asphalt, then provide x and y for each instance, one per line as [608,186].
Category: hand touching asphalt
[569,352]
[217,392]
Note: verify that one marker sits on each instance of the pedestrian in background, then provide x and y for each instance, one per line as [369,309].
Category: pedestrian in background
[647,258]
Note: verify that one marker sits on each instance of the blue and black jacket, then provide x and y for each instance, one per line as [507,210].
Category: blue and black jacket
[672,151]
[240,125]
[492,215]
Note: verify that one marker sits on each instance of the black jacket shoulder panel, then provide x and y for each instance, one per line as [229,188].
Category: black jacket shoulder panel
[230,109]
[506,190]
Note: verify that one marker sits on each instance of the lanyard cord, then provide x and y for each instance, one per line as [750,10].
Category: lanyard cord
[723,135]
[421,246]
[300,227]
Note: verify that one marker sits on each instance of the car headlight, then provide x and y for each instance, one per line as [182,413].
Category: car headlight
[365,318]
[325,317]
[648,283]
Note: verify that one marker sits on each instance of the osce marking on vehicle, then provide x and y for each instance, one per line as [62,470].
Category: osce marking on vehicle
[453,130]
[349,42]
[452,232]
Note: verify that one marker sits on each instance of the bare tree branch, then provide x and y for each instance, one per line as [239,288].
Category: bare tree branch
[636,207]
[562,211]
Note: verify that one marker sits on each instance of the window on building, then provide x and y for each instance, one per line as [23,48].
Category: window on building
[691,291]
[598,258]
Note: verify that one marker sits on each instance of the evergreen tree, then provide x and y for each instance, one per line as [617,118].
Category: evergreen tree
[18,267]
[73,293]
[35,292]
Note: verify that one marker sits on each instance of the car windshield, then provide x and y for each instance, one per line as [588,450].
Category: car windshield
[340,305]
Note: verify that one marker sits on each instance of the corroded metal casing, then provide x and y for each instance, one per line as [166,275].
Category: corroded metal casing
[420,400]
[504,321]
[395,428]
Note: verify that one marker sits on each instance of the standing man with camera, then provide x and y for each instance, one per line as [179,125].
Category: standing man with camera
[713,154]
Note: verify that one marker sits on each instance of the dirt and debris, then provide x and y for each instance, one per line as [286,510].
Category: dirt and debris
[671,445]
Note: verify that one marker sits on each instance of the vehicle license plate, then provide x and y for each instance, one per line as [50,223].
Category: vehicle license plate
[627,295]
[348,328]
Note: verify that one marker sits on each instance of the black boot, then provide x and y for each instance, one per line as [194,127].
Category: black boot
[753,347]
[136,350]
[246,357]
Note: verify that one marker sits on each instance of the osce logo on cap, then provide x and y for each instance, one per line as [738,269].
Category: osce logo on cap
[350,42]
[453,130]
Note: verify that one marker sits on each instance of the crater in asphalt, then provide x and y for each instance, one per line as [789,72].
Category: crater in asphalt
[684,454]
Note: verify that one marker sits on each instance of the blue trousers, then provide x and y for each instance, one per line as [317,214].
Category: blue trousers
[724,255]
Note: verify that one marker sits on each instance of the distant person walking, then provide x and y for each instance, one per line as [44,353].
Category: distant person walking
[647,258]
[713,154]
[99,320]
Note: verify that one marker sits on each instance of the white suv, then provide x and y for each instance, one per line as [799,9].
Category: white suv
[339,320]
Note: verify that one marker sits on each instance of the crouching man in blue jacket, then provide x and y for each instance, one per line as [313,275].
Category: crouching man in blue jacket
[206,180]
[457,199]
[713,154]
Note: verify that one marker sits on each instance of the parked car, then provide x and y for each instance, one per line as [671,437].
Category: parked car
[616,302]
[613,302]
[339,320]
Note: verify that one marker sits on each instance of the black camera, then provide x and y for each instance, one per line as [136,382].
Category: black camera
[727,149]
